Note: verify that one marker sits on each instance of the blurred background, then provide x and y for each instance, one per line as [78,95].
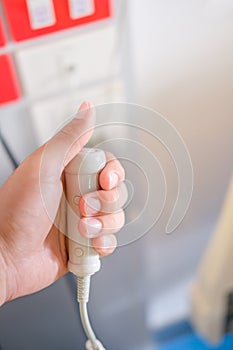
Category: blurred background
[175,57]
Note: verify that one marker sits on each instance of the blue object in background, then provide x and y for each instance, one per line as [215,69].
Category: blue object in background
[192,342]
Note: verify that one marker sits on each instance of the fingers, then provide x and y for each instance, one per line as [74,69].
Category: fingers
[103,202]
[101,210]
[93,227]
[67,143]
[112,174]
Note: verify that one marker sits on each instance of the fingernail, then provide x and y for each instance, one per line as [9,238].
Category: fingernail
[82,112]
[92,205]
[91,226]
[113,179]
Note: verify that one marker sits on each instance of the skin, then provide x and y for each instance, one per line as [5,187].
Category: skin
[33,251]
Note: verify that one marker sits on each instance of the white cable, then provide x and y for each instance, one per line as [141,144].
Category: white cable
[83,288]
[87,326]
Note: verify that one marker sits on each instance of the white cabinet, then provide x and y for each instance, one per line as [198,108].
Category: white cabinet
[49,115]
[68,63]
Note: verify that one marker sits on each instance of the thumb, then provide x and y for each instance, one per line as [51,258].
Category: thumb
[67,143]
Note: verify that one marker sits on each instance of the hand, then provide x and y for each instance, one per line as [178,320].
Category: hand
[32,249]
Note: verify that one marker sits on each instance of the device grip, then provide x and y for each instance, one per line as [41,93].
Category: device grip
[81,176]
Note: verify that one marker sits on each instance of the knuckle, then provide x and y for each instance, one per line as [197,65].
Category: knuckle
[113,196]
[122,218]
[66,131]
[110,156]
[70,129]
[123,172]
[121,169]
[117,220]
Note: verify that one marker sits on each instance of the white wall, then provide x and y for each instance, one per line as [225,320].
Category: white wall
[183,68]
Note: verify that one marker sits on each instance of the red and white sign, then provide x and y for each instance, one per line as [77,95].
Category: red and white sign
[81,8]
[2,34]
[9,87]
[41,13]
[31,18]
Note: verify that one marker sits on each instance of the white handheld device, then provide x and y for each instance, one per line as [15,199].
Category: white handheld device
[81,176]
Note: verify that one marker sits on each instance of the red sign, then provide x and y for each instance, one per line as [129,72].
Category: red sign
[2,34]
[32,18]
[9,88]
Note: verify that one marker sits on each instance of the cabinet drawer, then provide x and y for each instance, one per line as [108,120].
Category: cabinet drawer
[67,63]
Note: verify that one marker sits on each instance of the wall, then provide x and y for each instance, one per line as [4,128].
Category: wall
[183,68]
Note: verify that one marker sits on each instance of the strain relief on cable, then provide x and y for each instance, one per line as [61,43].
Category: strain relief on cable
[83,289]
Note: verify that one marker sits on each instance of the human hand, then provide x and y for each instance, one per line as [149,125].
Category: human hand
[32,248]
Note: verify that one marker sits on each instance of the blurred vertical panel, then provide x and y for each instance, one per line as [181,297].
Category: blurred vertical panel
[2,34]
[6,167]
[9,86]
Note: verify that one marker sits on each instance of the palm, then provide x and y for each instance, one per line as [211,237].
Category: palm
[44,264]
[37,246]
